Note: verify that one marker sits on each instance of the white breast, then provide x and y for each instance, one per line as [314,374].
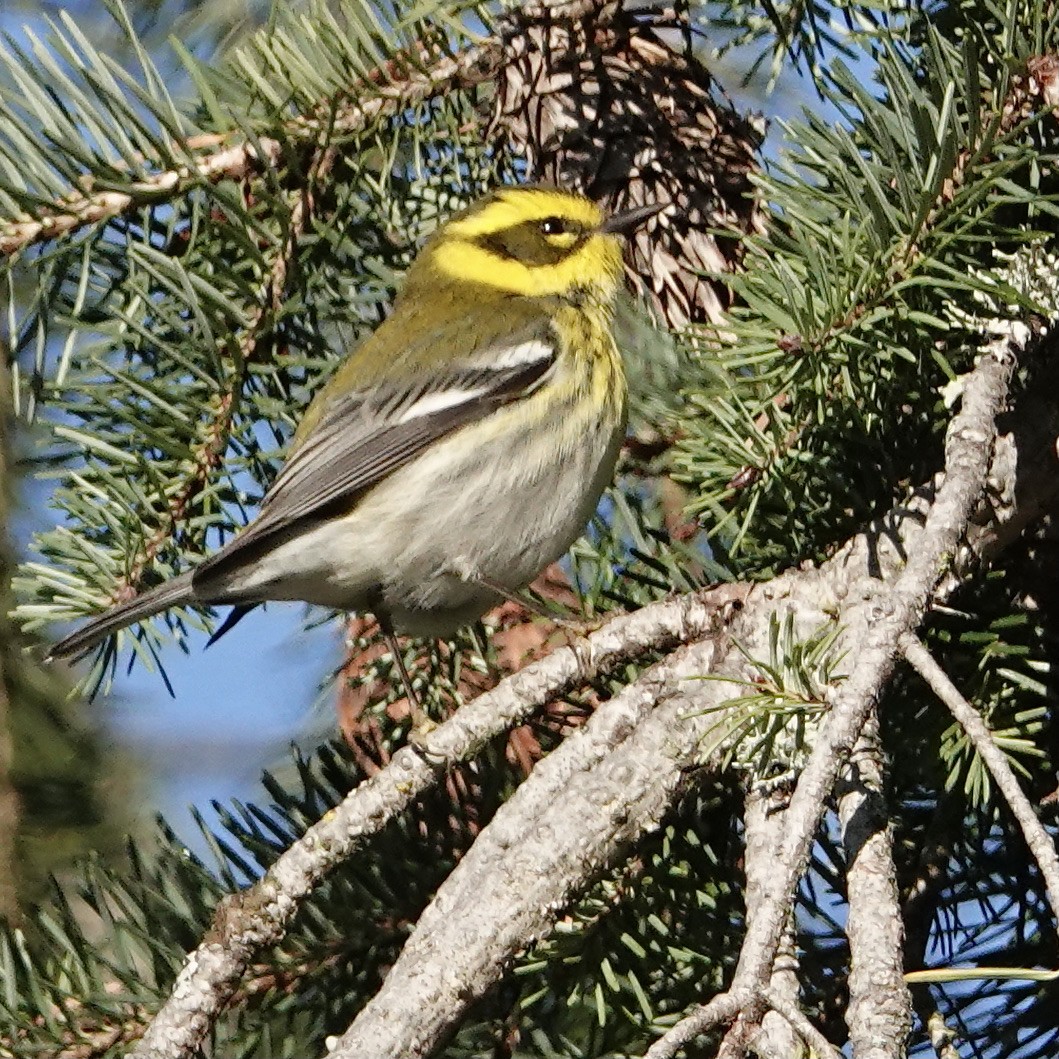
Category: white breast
[505,516]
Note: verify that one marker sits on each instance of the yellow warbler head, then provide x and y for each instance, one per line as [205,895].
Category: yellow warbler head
[531,241]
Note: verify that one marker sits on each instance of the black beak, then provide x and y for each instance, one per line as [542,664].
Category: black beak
[629,220]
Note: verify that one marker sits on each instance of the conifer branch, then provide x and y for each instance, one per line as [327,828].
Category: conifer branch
[247,922]
[874,632]
[503,891]
[419,74]
[1034,86]
[207,455]
[1040,843]
[393,87]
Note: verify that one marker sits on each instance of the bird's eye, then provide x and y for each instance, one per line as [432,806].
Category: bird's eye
[553,226]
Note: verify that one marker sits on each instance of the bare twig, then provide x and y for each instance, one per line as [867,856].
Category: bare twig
[820,1045]
[259,916]
[1037,838]
[879,1014]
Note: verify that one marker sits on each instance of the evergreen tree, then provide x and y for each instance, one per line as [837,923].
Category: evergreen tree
[750,824]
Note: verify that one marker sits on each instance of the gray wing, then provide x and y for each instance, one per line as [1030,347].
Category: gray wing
[362,438]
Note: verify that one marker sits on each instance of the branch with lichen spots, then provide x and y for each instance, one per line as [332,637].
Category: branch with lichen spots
[870,587]
[259,916]
[912,553]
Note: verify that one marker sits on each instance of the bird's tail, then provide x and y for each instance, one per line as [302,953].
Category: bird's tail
[170,594]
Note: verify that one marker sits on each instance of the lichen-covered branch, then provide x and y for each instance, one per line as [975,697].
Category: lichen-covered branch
[601,790]
[505,893]
[259,916]
[875,616]
[620,775]
[764,820]
[879,1014]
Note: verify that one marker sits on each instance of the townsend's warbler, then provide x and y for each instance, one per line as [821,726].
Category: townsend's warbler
[460,449]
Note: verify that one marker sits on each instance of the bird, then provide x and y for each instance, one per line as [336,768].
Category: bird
[458,450]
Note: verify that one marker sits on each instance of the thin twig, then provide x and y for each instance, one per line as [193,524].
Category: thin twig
[79,209]
[1038,840]
[724,1008]
[820,1045]
[259,916]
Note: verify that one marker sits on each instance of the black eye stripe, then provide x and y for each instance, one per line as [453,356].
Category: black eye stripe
[533,242]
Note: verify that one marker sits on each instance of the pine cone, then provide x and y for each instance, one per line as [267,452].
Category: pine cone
[599,101]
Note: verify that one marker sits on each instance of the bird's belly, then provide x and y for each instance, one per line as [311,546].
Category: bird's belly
[443,518]
[503,520]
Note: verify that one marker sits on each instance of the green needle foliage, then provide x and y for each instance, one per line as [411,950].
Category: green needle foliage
[188,271]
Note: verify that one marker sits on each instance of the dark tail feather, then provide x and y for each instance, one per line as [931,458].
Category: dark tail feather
[98,629]
[235,615]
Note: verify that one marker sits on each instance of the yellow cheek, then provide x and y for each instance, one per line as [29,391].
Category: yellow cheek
[469,263]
